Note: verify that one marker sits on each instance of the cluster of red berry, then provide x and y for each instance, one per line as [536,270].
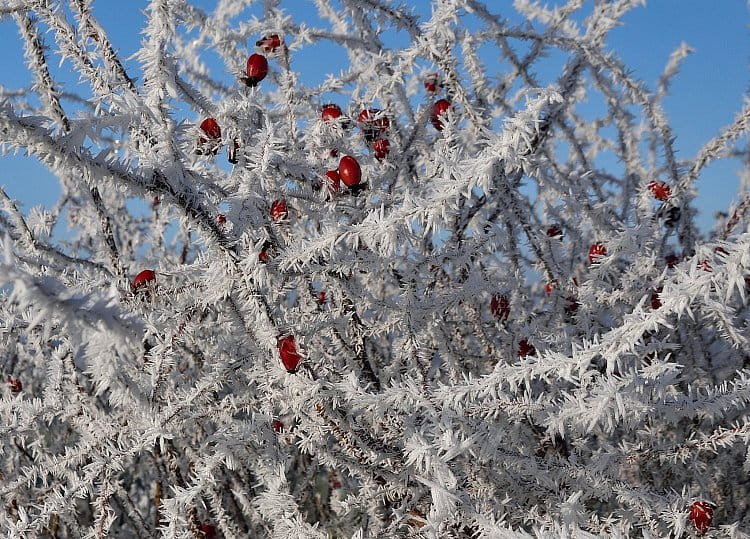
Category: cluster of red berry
[441,106]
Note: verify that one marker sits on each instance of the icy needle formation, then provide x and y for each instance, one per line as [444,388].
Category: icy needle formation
[407,297]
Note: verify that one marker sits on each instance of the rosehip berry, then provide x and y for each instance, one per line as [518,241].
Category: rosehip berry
[333,181]
[500,307]
[143,279]
[554,231]
[373,123]
[15,384]
[330,112]
[381,148]
[279,210]
[701,515]
[572,305]
[656,298]
[263,256]
[288,353]
[350,171]
[278,426]
[208,530]
[211,128]
[221,219]
[257,69]
[660,190]
[596,252]
[525,348]
[322,297]
[440,108]
[269,43]
[431,83]
[549,287]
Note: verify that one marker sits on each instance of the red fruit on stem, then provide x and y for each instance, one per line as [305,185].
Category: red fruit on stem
[143,279]
[572,306]
[263,256]
[554,231]
[549,287]
[257,69]
[279,210]
[350,171]
[701,515]
[211,128]
[15,384]
[208,530]
[525,348]
[500,307]
[333,181]
[221,219]
[288,353]
[660,190]
[278,426]
[269,43]
[596,252]
[440,107]
[322,297]
[431,83]
[373,123]
[381,148]
[330,112]
[656,298]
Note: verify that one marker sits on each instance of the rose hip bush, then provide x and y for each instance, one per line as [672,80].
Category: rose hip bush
[410,299]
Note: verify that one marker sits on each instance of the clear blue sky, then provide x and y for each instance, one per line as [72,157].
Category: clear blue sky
[704,97]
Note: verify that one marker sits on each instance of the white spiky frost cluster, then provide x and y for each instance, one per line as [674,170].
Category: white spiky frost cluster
[468,371]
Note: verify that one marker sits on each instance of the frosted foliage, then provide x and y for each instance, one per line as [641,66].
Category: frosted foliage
[505,323]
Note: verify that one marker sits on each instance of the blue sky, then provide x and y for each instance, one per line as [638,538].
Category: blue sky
[704,97]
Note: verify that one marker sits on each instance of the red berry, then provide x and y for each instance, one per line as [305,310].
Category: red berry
[278,426]
[549,287]
[330,112]
[15,384]
[288,353]
[263,256]
[381,147]
[269,43]
[211,128]
[322,298]
[525,348]
[208,530]
[440,107]
[656,298]
[257,69]
[554,231]
[431,83]
[333,181]
[701,515]
[350,171]
[373,123]
[572,306]
[143,279]
[221,218]
[500,307]
[660,190]
[279,210]
[596,252]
